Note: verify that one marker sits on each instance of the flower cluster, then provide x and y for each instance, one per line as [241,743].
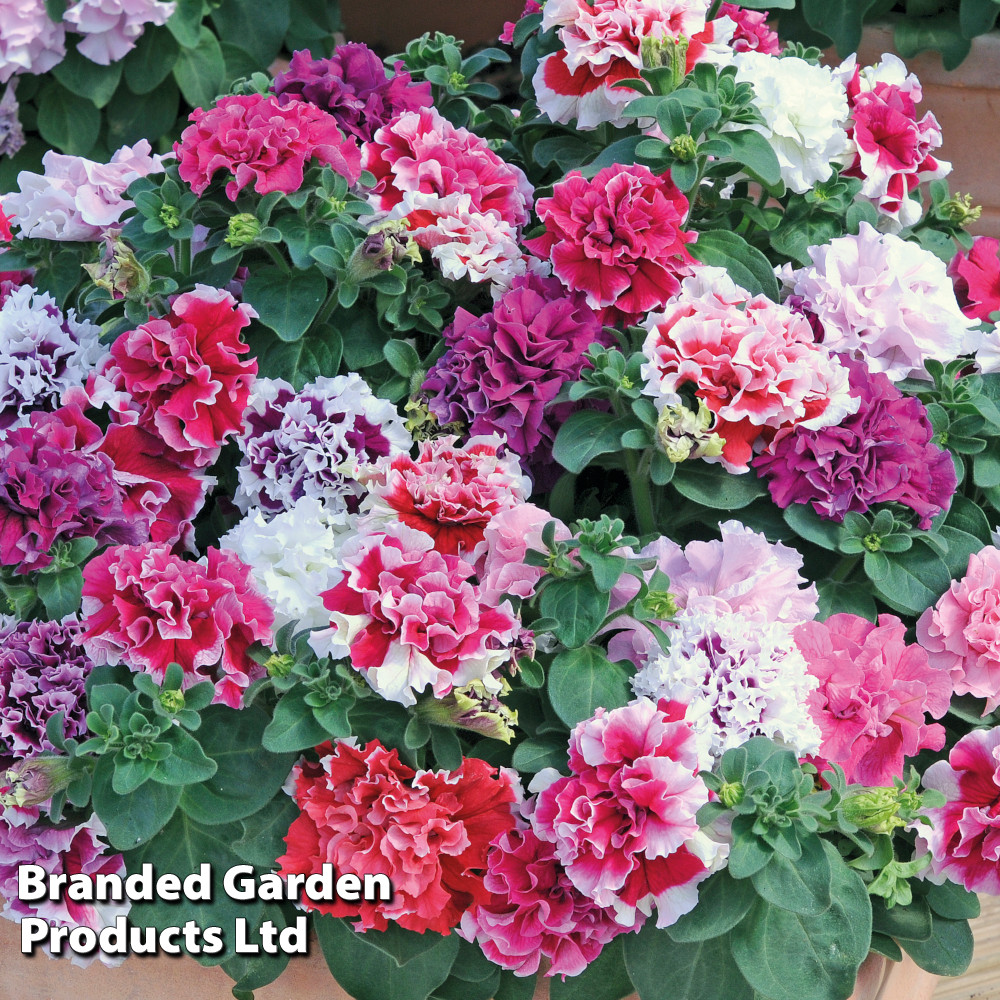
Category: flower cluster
[314,442]
[369,814]
[147,608]
[352,85]
[76,198]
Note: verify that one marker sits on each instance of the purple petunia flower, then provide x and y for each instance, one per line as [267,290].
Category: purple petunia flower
[352,86]
[502,370]
[52,491]
[881,453]
[43,669]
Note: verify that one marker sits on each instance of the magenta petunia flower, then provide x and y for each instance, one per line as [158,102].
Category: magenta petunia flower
[181,378]
[874,693]
[53,489]
[257,140]
[411,618]
[502,370]
[43,669]
[147,608]
[976,276]
[623,823]
[964,836]
[881,453]
[535,910]
[352,85]
[962,631]
[751,31]
[618,238]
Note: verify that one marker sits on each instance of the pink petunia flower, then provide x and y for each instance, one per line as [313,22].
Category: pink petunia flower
[534,910]
[753,362]
[618,238]
[425,167]
[874,693]
[112,27]
[962,631]
[181,378]
[257,139]
[409,617]
[893,151]
[976,276]
[623,823]
[751,31]
[450,493]
[147,608]
[31,41]
[964,838]
[427,831]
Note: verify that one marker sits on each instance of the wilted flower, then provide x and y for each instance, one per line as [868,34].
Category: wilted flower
[473,708]
[684,433]
[118,270]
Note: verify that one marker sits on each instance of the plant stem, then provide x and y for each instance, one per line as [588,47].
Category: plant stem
[844,568]
[328,306]
[184,256]
[642,497]
[275,255]
[713,10]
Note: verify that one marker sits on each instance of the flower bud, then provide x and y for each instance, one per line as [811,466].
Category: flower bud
[118,271]
[472,708]
[684,434]
[35,780]
[685,148]
[960,210]
[279,666]
[731,793]
[666,52]
[172,701]
[243,229]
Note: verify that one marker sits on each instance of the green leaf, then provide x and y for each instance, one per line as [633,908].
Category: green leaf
[401,945]
[909,581]
[533,755]
[912,922]
[886,946]
[585,435]
[135,818]
[754,152]
[286,301]
[976,17]
[186,764]
[805,522]
[259,28]
[84,78]
[151,61]
[969,517]
[583,680]
[368,973]
[293,726]
[942,33]
[836,598]
[181,849]
[577,606]
[61,592]
[803,885]
[986,466]
[199,71]
[402,357]
[712,486]
[788,956]
[233,739]
[952,902]
[947,952]
[515,987]
[746,265]
[264,832]
[304,360]
[723,902]
[185,22]
[841,21]
[961,545]
[662,969]
[67,121]
[606,978]
[447,748]
[131,117]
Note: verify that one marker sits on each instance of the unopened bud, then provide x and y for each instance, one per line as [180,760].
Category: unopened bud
[172,701]
[731,793]
[685,148]
[243,229]
[960,210]
[666,52]
[279,666]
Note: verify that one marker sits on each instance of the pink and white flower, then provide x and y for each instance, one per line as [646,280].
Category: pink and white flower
[893,151]
[623,823]
[964,837]
[411,618]
[112,27]
[753,362]
[31,41]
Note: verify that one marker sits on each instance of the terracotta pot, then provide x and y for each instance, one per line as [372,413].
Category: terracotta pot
[392,23]
[43,978]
